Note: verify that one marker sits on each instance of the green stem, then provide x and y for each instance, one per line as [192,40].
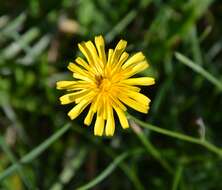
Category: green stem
[36,152]
[108,170]
[149,147]
[180,136]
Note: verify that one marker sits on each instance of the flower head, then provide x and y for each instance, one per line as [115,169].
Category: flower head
[104,85]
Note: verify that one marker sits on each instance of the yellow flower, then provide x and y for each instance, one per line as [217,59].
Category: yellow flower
[103,84]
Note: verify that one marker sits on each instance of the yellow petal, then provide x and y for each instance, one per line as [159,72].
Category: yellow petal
[75,69]
[122,117]
[96,101]
[107,68]
[80,85]
[133,104]
[115,101]
[118,51]
[132,70]
[89,96]
[84,64]
[85,52]
[74,112]
[103,107]
[123,58]
[84,78]
[110,124]
[61,85]
[117,67]
[140,98]
[122,86]
[137,96]
[99,125]
[83,48]
[71,97]
[97,62]
[143,81]
[121,45]
[138,57]
[91,48]
[89,117]
[100,45]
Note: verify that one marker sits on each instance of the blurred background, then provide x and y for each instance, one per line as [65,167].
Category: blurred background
[38,39]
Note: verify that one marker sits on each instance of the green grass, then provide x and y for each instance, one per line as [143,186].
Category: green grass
[177,145]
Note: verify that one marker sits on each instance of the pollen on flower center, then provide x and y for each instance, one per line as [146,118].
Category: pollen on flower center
[104,84]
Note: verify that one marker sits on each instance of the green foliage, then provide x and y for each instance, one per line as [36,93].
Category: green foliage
[181,149]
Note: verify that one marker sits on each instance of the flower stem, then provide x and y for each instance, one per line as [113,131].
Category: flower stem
[180,136]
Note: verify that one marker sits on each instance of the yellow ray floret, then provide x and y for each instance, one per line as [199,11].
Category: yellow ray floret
[104,84]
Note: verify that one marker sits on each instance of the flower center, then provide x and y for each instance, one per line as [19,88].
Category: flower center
[104,84]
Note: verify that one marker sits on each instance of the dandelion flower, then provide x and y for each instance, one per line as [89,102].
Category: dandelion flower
[104,85]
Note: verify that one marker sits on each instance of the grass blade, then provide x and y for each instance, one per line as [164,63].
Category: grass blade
[197,68]
[36,51]
[70,170]
[35,152]
[13,25]
[177,176]
[13,49]
[13,159]
[121,25]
